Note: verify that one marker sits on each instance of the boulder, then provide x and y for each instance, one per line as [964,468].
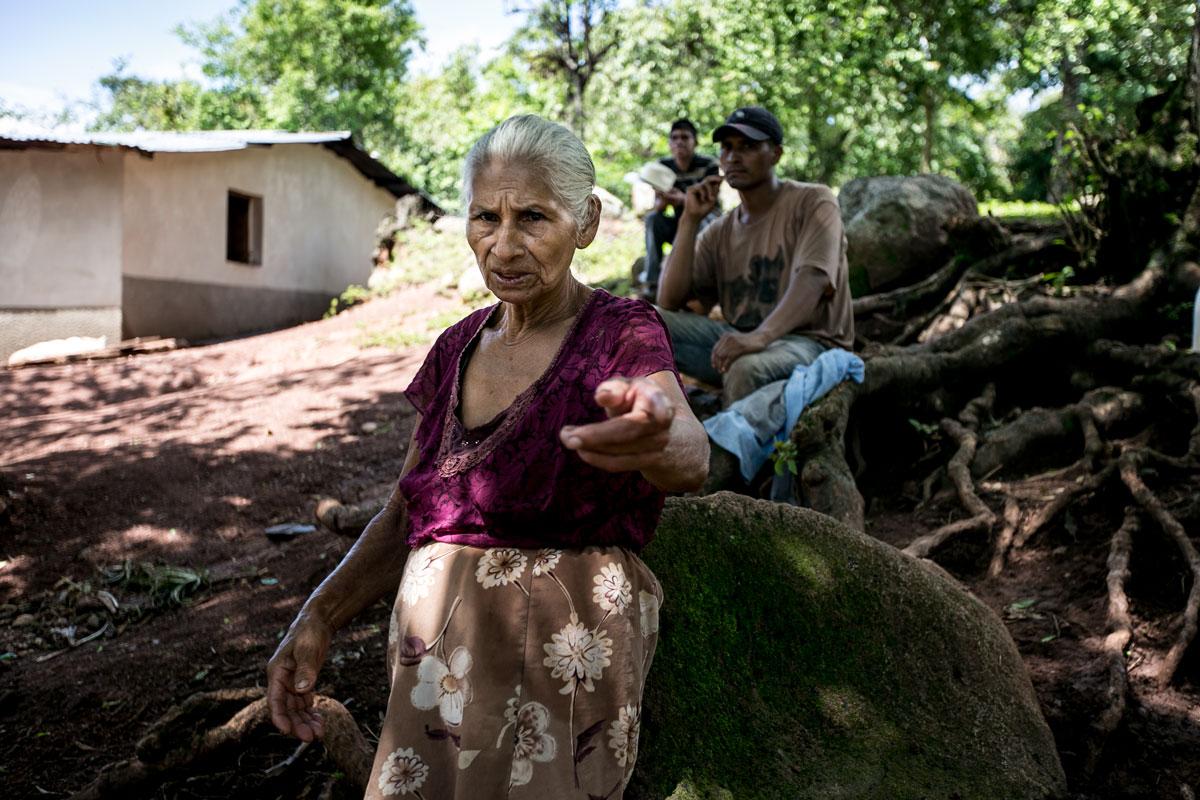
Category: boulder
[641,194]
[451,224]
[896,227]
[470,283]
[611,206]
[801,659]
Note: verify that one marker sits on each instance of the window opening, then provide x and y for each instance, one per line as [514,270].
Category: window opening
[243,233]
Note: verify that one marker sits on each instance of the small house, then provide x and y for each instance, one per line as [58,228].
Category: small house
[193,235]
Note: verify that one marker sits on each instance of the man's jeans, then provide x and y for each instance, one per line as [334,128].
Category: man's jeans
[693,337]
[660,231]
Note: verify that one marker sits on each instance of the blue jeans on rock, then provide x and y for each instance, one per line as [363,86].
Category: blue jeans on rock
[693,336]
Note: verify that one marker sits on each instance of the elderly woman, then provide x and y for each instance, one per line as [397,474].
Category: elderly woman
[550,426]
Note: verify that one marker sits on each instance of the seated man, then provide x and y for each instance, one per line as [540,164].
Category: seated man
[689,169]
[776,264]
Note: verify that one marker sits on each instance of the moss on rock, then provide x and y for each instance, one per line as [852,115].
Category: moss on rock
[801,659]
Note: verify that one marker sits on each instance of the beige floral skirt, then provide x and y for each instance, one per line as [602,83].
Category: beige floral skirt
[516,673]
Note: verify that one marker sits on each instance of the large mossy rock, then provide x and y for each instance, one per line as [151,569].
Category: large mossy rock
[897,228]
[800,659]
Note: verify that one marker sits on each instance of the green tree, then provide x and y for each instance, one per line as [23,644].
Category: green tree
[443,114]
[288,64]
[566,41]
[860,87]
[312,64]
[1093,62]
[135,103]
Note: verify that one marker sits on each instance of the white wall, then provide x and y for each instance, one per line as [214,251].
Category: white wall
[60,228]
[319,217]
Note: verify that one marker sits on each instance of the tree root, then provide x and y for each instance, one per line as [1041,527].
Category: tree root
[981,406]
[1012,521]
[1039,429]
[968,238]
[826,482]
[1149,501]
[944,283]
[908,296]
[1120,634]
[1093,445]
[180,739]
[1048,512]
[960,475]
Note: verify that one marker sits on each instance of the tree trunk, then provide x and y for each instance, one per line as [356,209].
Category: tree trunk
[1059,186]
[578,118]
[927,101]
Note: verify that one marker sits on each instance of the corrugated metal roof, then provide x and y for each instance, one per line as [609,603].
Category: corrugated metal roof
[14,133]
[166,141]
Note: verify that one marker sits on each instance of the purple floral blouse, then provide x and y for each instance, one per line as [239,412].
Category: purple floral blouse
[511,482]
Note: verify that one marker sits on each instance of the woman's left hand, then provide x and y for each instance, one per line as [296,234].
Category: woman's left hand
[636,433]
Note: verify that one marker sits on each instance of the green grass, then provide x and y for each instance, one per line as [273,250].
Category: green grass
[390,336]
[1023,209]
[606,262]
[439,322]
[423,254]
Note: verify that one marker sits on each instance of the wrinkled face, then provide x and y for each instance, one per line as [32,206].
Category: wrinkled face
[683,145]
[523,238]
[747,163]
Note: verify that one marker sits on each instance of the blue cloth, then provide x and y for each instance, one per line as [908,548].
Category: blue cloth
[750,427]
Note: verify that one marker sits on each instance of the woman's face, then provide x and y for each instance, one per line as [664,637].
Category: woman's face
[523,238]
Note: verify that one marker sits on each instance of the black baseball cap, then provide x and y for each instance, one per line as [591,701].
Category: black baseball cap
[753,122]
[684,124]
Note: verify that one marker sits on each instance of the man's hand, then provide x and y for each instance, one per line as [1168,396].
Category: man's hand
[702,198]
[636,432]
[675,197]
[732,346]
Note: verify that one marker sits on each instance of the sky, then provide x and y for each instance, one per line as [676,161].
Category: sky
[52,51]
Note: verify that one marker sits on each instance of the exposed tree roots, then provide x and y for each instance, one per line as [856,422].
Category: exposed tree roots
[1061,501]
[826,481]
[1041,430]
[1120,634]
[185,738]
[1012,521]
[1170,525]
[959,470]
[971,324]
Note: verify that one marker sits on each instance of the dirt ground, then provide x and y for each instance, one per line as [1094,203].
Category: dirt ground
[184,458]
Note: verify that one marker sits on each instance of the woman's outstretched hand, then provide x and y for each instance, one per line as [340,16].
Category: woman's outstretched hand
[636,433]
[292,678]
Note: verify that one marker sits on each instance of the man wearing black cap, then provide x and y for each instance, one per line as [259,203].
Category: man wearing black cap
[776,264]
[690,168]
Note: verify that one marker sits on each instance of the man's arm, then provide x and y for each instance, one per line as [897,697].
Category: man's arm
[797,308]
[675,282]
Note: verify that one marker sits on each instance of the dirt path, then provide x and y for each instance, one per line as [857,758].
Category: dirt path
[180,458]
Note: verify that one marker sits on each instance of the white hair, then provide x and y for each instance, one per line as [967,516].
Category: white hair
[547,146]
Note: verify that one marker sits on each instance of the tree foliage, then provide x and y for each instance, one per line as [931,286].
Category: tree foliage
[284,64]
[861,86]
[566,41]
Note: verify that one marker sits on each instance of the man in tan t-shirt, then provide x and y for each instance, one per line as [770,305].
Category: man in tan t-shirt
[776,264]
